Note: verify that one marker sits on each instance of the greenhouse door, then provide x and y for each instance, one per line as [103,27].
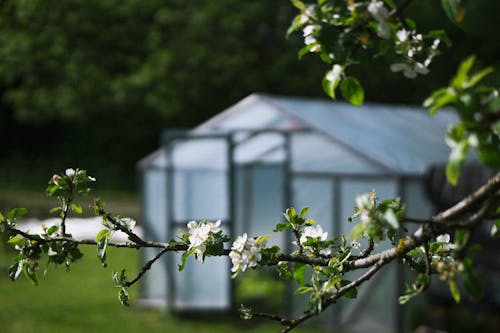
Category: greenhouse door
[199,186]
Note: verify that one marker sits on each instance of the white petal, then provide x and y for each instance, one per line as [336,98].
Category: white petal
[397,67]
[421,69]
[409,73]
[445,238]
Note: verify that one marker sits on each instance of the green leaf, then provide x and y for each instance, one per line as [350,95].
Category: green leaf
[352,91]
[30,274]
[455,292]
[185,255]
[414,252]
[451,9]
[102,233]
[52,229]
[2,218]
[281,227]
[479,76]
[495,229]
[77,208]
[460,80]
[16,239]
[298,4]
[123,296]
[304,290]
[303,212]
[102,244]
[299,272]
[127,223]
[294,26]
[55,209]
[439,99]
[16,213]
[306,49]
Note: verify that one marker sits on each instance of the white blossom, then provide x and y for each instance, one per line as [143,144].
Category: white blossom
[309,39]
[378,11]
[199,234]
[335,73]
[380,14]
[70,172]
[245,253]
[410,71]
[313,232]
[402,35]
[445,238]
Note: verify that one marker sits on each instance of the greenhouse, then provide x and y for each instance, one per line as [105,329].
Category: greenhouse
[264,154]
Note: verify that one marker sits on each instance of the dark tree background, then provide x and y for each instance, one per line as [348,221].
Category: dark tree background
[91,83]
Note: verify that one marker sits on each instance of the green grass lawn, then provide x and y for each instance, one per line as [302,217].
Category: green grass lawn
[85,300]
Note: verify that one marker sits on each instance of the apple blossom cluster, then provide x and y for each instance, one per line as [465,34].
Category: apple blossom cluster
[70,173]
[200,235]
[443,262]
[245,253]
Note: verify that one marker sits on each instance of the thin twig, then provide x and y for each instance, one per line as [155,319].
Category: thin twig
[147,266]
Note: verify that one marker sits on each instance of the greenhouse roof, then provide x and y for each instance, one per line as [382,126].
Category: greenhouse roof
[398,139]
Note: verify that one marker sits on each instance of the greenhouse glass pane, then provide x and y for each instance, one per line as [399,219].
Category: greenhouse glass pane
[313,152]
[262,147]
[318,195]
[203,153]
[415,197]
[374,310]
[155,204]
[203,286]
[266,200]
[200,194]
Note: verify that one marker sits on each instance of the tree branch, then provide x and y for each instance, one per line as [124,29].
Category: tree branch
[491,188]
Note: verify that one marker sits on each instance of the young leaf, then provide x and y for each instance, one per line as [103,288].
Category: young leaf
[30,274]
[455,292]
[451,9]
[77,208]
[123,296]
[127,222]
[299,272]
[303,212]
[102,244]
[352,91]
[16,213]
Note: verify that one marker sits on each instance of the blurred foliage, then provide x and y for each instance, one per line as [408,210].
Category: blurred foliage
[93,82]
